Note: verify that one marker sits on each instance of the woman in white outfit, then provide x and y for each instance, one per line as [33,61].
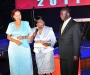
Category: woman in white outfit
[43,47]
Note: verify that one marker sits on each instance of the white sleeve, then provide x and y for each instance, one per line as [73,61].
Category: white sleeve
[9,29]
[52,37]
[30,34]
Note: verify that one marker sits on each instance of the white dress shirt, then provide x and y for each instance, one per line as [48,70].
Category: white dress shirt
[64,24]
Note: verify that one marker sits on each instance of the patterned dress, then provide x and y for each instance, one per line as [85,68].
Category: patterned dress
[45,62]
[20,59]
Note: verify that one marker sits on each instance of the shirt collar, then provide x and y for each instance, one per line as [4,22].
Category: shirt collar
[68,20]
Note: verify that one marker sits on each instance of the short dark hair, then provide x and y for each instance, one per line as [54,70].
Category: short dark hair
[13,12]
[38,18]
[67,9]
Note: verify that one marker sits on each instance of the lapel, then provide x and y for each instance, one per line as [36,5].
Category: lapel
[45,32]
[67,27]
[60,29]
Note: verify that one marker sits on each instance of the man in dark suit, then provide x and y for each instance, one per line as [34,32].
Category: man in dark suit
[69,43]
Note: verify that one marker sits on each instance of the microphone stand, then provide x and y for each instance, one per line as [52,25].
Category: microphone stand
[1,27]
[32,16]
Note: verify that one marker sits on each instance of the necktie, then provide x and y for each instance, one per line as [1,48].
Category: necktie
[63,26]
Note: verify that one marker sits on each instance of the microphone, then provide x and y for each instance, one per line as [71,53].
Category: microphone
[36,30]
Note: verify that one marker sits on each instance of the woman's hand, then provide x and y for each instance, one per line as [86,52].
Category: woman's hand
[13,40]
[39,41]
[18,42]
[46,44]
[34,34]
[27,36]
[20,37]
[43,43]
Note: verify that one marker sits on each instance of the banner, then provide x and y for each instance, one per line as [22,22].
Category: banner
[24,4]
[78,2]
[29,4]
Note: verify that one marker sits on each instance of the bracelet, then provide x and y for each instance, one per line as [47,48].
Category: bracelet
[24,37]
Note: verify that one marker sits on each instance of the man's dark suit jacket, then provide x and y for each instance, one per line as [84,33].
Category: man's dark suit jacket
[69,40]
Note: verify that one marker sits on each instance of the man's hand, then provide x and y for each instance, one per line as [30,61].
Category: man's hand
[75,58]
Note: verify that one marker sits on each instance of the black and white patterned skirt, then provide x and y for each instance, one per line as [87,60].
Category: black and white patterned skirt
[45,62]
